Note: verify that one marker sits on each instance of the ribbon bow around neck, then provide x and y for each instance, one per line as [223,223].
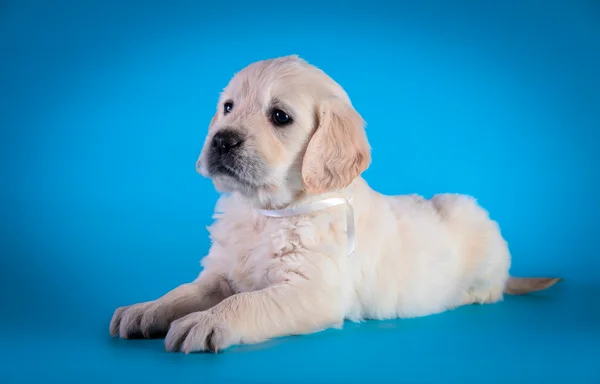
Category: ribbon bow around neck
[318,206]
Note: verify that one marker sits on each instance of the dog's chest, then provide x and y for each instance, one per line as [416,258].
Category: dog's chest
[271,254]
[251,250]
[256,251]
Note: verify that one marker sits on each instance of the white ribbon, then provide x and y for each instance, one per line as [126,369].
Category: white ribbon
[318,206]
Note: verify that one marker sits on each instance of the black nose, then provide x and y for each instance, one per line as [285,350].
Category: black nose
[224,140]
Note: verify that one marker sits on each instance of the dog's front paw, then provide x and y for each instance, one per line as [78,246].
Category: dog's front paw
[199,331]
[144,320]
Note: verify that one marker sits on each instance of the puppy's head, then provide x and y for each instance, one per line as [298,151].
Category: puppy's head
[282,126]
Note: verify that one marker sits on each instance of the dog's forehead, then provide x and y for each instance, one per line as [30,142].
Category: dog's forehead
[267,80]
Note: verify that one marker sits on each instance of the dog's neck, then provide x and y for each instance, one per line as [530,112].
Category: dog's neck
[308,203]
[263,200]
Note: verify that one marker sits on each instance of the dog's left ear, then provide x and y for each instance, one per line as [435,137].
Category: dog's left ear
[339,150]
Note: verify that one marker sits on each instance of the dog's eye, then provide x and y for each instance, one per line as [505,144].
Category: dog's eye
[227,107]
[280,118]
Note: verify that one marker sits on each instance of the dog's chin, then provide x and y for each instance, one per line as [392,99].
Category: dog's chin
[236,174]
[227,182]
[268,194]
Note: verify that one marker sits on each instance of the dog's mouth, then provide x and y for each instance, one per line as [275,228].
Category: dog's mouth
[221,169]
[240,173]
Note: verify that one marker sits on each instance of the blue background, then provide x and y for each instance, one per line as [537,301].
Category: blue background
[103,109]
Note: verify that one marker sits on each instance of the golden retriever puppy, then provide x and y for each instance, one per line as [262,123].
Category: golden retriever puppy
[301,242]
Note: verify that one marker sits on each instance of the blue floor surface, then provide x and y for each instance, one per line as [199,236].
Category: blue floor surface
[551,337]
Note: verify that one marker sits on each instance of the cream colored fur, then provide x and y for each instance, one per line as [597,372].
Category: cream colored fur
[267,277]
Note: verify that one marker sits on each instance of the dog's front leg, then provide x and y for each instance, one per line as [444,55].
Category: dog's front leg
[252,317]
[152,318]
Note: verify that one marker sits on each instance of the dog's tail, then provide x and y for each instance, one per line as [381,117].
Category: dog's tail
[525,285]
